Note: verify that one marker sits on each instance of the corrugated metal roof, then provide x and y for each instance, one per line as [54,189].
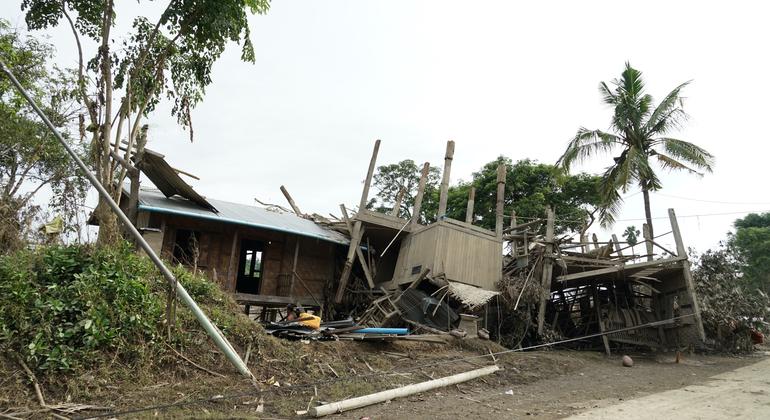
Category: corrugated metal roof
[241,214]
[167,180]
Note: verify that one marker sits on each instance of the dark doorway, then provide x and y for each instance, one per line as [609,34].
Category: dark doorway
[250,267]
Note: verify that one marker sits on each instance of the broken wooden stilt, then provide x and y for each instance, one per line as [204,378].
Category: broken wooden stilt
[444,189]
[420,193]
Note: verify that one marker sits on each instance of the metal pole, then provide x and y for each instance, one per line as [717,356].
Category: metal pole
[211,330]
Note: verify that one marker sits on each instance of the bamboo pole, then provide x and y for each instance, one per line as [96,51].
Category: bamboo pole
[363,401]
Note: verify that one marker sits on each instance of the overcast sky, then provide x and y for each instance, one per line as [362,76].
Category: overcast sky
[510,78]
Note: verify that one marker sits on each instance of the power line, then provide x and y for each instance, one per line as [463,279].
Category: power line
[711,201]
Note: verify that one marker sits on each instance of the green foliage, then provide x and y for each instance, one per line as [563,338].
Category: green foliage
[65,305]
[390,179]
[30,156]
[632,235]
[530,187]
[729,307]
[641,135]
[67,308]
[752,243]
[173,55]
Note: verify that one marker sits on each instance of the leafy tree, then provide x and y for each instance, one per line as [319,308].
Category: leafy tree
[631,234]
[31,158]
[640,131]
[728,307]
[390,179]
[752,243]
[171,55]
[530,187]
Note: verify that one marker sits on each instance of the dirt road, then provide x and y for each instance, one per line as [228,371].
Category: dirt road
[742,393]
[596,383]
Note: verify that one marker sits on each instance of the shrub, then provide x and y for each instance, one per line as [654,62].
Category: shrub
[71,307]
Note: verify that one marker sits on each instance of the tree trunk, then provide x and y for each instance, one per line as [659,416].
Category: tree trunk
[647,212]
[108,222]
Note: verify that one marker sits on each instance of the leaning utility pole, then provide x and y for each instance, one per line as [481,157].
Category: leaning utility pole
[210,328]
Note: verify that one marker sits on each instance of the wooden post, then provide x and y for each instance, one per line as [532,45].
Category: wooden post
[450,151]
[420,193]
[232,267]
[397,204]
[682,253]
[356,233]
[471,202]
[369,174]
[545,282]
[294,266]
[291,201]
[647,241]
[605,340]
[595,240]
[616,244]
[355,238]
[514,222]
[584,243]
[501,172]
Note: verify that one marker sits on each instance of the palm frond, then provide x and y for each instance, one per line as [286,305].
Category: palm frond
[667,162]
[610,208]
[688,152]
[608,96]
[587,143]
[667,110]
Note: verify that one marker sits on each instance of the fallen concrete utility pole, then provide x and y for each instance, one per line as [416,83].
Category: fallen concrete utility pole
[210,328]
[353,403]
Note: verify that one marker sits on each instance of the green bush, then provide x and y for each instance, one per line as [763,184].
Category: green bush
[67,307]
[63,306]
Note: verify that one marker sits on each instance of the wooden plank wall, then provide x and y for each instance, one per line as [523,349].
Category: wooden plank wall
[462,254]
[315,263]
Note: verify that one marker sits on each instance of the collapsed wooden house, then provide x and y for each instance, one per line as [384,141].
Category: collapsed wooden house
[594,288]
[394,253]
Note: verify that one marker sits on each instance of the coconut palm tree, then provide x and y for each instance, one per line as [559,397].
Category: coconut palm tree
[640,132]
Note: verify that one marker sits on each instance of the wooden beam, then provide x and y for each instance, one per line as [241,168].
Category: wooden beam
[420,193]
[232,267]
[514,222]
[615,269]
[369,175]
[469,208]
[605,340]
[355,239]
[397,204]
[444,189]
[647,241]
[351,228]
[689,282]
[291,201]
[545,281]
[294,266]
[616,245]
[501,172]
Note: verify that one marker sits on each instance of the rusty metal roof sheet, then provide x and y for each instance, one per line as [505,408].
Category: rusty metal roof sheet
[167,179]
[241,214]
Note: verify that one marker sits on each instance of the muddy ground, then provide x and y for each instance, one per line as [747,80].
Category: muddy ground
[544,384]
